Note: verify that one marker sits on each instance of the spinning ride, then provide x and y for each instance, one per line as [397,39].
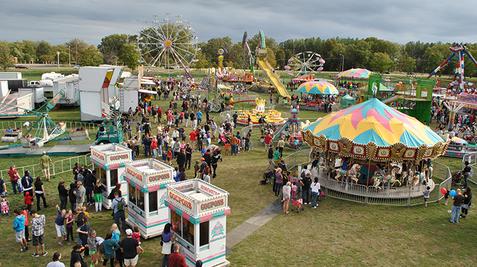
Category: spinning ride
[259,114]
[372,148]
[305,62]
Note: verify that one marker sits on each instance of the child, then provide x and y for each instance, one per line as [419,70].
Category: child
[25,213]
[4,207]
[116,234]
[93,244]
[426,193]
[136,234]
[196,168]
[19,227]
[69,219]
[169,155]
[28,199]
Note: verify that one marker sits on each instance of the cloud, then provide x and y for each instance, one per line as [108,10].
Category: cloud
[401,21]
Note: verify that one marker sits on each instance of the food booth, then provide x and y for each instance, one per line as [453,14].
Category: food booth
[147,180]
[198,212]
[109,161]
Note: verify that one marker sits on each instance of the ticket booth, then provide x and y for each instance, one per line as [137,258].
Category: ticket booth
[147,180]
[109,161]
[198,212]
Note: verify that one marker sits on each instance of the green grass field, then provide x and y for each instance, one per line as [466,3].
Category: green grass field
[338,233]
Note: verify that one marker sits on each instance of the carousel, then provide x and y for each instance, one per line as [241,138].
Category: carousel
[372,150]
[316,93]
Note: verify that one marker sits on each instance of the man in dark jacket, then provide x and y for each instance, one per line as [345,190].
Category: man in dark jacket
[27,183]
[181,159]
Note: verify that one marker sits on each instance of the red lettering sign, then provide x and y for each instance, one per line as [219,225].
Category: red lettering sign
[212,204]
[159,177]
[97,155]
[208,190]
[184,202]
[134,174]
[119,157]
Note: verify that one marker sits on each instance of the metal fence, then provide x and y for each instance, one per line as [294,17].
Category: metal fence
[56,168]
[472,159]
[6,124]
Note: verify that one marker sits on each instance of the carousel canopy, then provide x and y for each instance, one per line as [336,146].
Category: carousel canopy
[317,88]
[355,74]
[373,130]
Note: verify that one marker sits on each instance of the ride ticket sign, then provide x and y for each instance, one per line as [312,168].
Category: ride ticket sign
[119,157]
[212,204]
[97,155]
[180,200]
[159,177]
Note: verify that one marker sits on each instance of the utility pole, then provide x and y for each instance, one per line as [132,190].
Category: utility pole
[58,59]
[69,55]
[342,62]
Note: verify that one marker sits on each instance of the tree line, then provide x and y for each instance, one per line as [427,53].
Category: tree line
[340,53]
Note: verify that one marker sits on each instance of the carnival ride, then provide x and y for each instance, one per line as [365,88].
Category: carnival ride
[168,43]
[314,92]
[458,147]
[44,129]
[259,114]
[261,57]
[291,130]
[459,50]
[304,62]
[375,151]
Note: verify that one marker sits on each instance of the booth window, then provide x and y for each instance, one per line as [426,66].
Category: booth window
[132,194]
[153,201]
[182,227]
[114,177]
[204,233]
[102,175]
[140,199]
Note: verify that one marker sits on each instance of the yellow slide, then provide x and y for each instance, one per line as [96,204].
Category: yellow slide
[264,65]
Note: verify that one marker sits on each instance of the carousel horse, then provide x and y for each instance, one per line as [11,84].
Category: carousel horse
[393,179]
[354,172]
[415,179]
[376,182]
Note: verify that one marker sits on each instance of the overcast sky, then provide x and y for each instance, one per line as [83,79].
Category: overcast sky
[58,21]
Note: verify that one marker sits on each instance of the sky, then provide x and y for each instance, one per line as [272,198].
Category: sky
[58,21]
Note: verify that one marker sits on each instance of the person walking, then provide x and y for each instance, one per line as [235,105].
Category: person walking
[214,161]
[14,177]
[118,206]
[176,259]
[55,261]
[110,246]
[166,241]
[80,194]
[286,191]
[45,162]
[27,183]
[315,192]
[38,231]
[188,153]
[98,190]
[39,193]
[19,228]
[456,207]
[130,248]
[63,194]
[467,202]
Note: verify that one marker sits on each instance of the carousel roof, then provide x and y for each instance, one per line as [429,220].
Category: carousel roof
[374,122]
[317,88]
[355,74]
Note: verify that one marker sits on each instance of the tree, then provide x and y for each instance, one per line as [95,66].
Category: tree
[91,57]
[129,55]
[201,62]
[211,48]
[111,47]
[5,57]
[381,62]
[29,51]
[406,64]
[44,52]
[76,48]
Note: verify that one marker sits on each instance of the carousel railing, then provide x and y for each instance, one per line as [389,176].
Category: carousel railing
[57,167]
[385,194]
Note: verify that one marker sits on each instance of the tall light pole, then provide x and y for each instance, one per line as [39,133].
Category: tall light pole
[69,55]
[342,62]
[58,58]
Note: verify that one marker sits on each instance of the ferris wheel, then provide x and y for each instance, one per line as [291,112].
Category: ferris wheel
[305,62]
[169,44]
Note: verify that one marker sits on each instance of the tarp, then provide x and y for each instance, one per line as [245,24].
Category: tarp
[142,91]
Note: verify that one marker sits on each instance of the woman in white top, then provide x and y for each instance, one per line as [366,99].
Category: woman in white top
[286,190]
[315,193]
